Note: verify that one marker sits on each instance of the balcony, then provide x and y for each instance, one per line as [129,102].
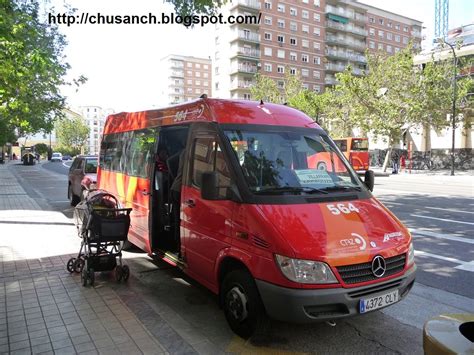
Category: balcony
[244,68]
[360,18]
[338,11]
[177,65]
[357,58]
[347,28]
[250,4]
[332,67]
[248,52]
[336,54]
[241,84]
[345,42]
[248,36]
[416,34]
[177,74]
[330,80]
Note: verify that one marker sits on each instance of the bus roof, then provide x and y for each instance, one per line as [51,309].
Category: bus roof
[210,110]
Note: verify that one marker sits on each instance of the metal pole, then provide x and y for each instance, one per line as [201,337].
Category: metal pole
[454,106]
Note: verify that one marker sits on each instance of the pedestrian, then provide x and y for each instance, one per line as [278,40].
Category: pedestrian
[402,163]
[395,162]
[14,156]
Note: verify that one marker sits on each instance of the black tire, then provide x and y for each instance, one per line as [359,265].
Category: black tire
[126,272]
[118,273]
[70,266]
[84,277]
[91,277]
[79,265]
[73,198]
[242,304]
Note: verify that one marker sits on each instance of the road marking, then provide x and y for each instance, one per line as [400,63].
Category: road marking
[454,237]
[463,265]
[448,209]
[443,219]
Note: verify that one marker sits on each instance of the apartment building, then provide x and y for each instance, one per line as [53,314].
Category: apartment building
[186,78]
[314,38]
[94,117]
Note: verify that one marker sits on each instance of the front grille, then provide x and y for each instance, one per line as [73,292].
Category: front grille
[352,274]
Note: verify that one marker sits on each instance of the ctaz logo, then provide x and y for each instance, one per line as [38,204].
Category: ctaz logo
[356,241]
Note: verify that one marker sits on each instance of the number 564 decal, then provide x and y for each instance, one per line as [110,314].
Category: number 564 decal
[342,208]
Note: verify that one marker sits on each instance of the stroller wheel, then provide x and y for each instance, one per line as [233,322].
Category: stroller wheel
[79,265]
[91,277]
[126,272]
[119,273]
[70,266]
[84,277]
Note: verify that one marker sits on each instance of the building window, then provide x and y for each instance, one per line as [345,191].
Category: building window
[293,26]
[281,23]
[371,20]
[190,73]
[381,21]
[397,27]
[381,33]
[246,96]
[405,29]
[316,88]
[305,72]
[267,67]
[281,54]
[206,66]
[305,28]
[316,31]
[372,31]
[198,74]
[380,46]
[189,65]
[317,3]
[267,51]
[389,49]
[198,82]
[305,58]
[268,5]
[317,60]
[305,43]
[190,81]
[397,49]
[281,69]
[206,75]
[316,74]
[281,8]
[198,91]
[293,41]
[397,38]
[293,56]
[305,14]
[317,17]
[268,20]
[305,1]
[389,36]
[281,39]
[405,40]
[317,46]
[206,83]
[268,36]
[280,84]
[372,44]
[190,90]
[293,71]
[293,11]
[389,25]
[197,65]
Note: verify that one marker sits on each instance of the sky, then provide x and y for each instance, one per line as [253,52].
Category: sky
[122,62]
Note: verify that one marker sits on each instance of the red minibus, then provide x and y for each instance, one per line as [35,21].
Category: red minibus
[356,151]
[253,219]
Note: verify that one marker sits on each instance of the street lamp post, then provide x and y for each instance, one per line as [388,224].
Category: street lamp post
[454,104]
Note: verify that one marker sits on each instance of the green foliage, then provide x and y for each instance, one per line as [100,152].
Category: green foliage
[32,70]
[41,148]
[72,133]
[265,89]
[67,150]
[195,7]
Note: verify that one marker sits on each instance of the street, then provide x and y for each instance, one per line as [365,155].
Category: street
[438,210]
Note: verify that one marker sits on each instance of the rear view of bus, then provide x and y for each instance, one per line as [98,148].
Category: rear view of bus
[356,151]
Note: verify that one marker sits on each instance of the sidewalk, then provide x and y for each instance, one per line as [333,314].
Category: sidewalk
[44,309]
[445,172]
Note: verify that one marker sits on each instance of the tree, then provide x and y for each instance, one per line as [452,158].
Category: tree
[32,70]
[265,89]
[41,148]
[72,133]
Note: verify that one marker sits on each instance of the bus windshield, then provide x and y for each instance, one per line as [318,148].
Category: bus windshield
[294,160]
[360,144]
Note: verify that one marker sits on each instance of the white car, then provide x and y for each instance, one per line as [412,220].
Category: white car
[57,157]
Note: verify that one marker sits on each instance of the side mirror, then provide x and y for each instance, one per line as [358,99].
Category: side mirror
[210,185]
[369,178]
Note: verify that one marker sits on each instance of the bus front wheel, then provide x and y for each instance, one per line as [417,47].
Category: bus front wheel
[242,305]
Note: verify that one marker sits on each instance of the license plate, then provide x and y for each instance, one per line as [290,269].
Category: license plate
[376,302]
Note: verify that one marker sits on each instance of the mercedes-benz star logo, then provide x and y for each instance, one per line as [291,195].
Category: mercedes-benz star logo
[379,266]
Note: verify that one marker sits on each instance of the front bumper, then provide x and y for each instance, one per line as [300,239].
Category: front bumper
[313,305]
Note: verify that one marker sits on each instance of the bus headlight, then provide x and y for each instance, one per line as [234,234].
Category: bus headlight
[411,254]
[305,271]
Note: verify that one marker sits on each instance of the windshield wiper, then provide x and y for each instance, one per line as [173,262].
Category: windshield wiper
[342,188]
[294,189]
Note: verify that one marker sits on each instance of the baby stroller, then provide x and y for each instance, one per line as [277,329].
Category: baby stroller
[103,227]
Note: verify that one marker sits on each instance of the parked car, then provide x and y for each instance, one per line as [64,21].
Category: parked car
[57,157]
[82,174]
[67,157]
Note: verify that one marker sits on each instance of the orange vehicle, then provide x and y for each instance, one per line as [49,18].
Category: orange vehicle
[230,192]
[356,151]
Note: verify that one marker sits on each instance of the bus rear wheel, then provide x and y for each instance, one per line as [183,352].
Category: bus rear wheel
[242,305]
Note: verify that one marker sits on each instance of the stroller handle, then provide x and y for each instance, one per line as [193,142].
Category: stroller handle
[128,210]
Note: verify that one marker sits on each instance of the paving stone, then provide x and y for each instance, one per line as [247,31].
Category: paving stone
[64,343]
[39,340]
[41,348]
[85,347]
[19,345]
